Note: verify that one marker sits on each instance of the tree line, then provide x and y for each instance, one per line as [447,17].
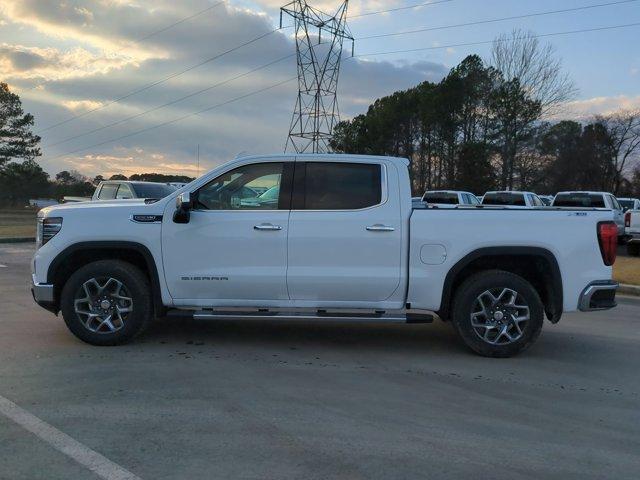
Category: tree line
[482,128]
[21,181]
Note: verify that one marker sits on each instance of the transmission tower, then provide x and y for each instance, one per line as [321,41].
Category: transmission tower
[319,39]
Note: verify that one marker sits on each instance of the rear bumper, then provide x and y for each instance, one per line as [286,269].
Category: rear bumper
[600,295]
[44,295]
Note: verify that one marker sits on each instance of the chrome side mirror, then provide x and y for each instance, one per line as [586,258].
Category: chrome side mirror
[183,201]
[183,208]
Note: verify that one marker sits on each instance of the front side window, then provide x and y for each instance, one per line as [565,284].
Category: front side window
[250,187]
[342,186]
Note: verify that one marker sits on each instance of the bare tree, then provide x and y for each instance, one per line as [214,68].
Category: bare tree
[519,55]
[623,127]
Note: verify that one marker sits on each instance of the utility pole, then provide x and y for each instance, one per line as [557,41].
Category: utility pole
[319,39]
[198,159]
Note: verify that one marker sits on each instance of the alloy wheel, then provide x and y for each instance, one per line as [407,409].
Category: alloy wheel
[103,304]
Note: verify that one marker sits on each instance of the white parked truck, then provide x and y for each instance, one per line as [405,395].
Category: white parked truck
[342,241]
[593,200]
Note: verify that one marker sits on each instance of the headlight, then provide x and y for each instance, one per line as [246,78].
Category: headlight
[47,229]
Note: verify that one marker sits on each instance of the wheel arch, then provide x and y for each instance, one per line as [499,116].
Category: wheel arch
[537,265]
[83,253]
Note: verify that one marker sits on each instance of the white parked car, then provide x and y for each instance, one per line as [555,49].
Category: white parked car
[593,200]
[341,242]
[512,198]
[448,198]
[126,189]
[629,204]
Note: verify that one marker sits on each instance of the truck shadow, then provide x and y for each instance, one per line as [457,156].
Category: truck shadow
[294,334]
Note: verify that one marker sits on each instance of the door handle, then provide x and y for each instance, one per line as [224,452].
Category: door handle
[378,227]
[267,227]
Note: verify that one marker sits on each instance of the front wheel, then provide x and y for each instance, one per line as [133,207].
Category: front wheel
[107,302]
[497,313]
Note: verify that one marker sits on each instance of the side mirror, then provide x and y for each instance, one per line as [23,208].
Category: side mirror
[183,208]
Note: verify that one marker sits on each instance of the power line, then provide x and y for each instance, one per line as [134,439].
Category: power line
[178,119]
[158,82]
[173,102]
[494,20]
[397,9]
[142,39]
[185,19]
[570,32]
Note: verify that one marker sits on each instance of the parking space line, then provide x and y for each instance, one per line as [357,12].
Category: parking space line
[101,466]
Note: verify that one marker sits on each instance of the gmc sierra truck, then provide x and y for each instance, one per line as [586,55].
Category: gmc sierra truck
[337,238]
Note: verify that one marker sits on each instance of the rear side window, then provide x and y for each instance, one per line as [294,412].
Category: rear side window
[108,191]
[614,203]
[471,199]
[341,186]
[441,197]
[504,198]
[587,200]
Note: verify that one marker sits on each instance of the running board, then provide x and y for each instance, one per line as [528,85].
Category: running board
[378,316]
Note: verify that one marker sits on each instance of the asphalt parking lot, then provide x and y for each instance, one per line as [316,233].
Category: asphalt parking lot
[294,400]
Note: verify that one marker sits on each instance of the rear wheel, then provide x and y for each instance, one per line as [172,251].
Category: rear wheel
[497,313]
[107,302]
[633,249]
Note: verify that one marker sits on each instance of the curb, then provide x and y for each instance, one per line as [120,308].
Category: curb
[629,290]
[18,240]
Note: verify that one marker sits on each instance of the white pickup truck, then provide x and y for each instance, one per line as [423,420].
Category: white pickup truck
[341,241]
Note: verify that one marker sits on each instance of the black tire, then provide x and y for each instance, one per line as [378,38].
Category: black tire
[633,249]
[465,301]
[136,287]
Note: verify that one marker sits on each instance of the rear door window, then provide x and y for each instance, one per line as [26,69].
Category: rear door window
[338,186]
[579,199]
[108,191]
[124,191]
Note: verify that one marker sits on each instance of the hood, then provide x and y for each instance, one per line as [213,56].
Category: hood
[137,204]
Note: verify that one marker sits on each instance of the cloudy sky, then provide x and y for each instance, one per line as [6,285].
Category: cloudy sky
[83,65]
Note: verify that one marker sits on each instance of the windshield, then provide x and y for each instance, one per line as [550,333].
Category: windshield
[587,200]
[152,190]
[504,198]
[441,197]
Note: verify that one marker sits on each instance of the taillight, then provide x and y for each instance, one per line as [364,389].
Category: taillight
[608,241]
[627,219]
